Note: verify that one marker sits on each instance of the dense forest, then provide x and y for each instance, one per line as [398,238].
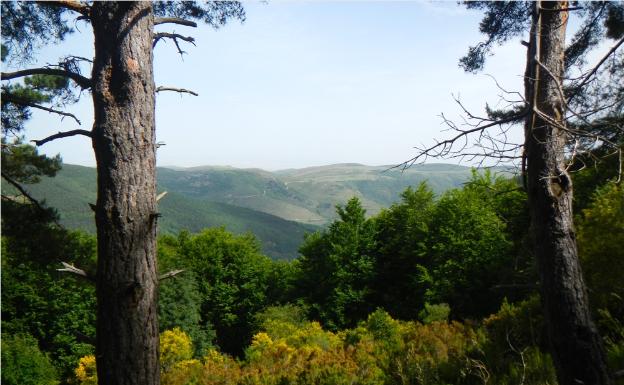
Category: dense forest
[503,280]
[432,290]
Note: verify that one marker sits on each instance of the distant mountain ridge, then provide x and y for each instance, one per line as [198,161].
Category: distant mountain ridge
[308,195]
[278,207]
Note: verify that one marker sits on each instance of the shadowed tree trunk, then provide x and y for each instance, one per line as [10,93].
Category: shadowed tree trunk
[576,345]
[123,140]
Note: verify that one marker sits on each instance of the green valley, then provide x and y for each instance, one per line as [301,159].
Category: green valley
[278,207]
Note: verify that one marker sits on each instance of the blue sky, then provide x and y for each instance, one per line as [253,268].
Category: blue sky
[306,83]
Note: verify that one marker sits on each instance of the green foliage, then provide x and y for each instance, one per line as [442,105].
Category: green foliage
[337,268]
[179,299]
[401,253]
[231,278]
[23,163]
[26,26]
[469,248]
[600,236]
[58,310]
[179,305]
[24,364]
[502,21]
[434,313]
[455,250]
[514,349]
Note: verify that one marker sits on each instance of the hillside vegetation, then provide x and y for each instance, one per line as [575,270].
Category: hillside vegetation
[308,195]
[435,289]
[278,207]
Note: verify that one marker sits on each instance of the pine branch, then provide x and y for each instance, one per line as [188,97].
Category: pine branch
[174,20]
[61,135]
[82,81]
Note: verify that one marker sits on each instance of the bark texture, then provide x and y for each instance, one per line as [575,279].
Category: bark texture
[576,345]
[123,140]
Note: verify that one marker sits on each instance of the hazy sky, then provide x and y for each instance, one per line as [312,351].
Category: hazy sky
[306,83]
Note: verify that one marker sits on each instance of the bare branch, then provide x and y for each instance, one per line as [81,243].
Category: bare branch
[174,36]
[75,6]
[174,20]
[445,148]
[16,100]
[67,268]
[596,67]
[180,90]
[82,81]
[61,135]
[170,274]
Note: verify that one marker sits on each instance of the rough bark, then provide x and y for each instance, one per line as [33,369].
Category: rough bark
[123,140]
[576,345]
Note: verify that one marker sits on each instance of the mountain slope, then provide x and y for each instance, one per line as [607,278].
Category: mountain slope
[74,187]
[308,195]
[278,207]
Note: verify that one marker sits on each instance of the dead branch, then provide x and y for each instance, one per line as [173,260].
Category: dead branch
[67,268]
[161,196]
[16,100]
[61,135]
[170,274]
[521,354]
[445,147]
[174,20]
[595,69]
[173,36]
[180,90]
[82,81]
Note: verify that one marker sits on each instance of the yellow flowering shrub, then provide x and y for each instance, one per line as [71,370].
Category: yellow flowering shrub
[175,346]
[187,372]
[86,372]
[378,351]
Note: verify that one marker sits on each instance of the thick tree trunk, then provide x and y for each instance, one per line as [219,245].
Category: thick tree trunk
[123,140]
[576,345]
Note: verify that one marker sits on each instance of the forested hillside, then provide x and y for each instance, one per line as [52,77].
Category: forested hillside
[277,207]
[338,313]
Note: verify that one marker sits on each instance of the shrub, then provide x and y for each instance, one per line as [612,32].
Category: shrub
[24,364]
[175,346]
[86,372]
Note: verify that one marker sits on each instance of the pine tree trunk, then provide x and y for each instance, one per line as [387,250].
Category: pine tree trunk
[124,144]
[576,345]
